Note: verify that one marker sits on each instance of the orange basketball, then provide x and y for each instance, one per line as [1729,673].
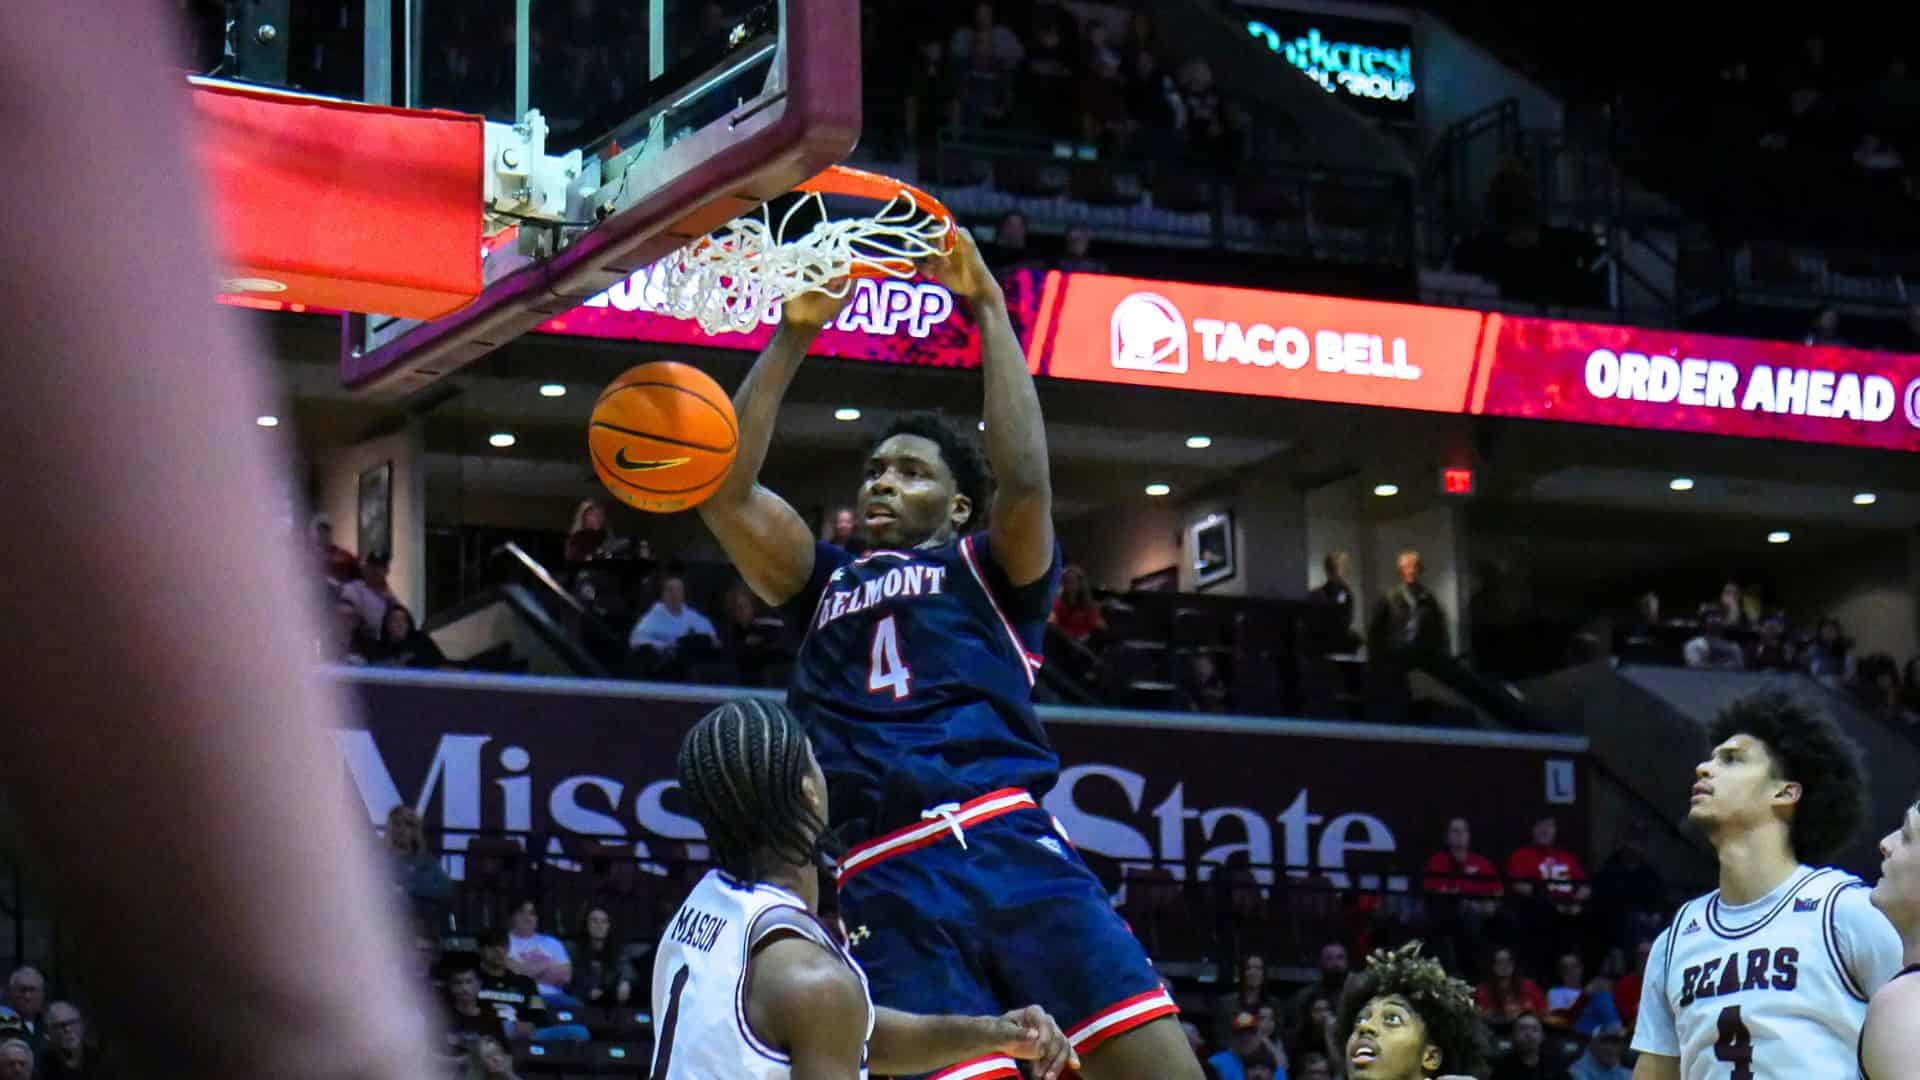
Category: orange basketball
[663,436]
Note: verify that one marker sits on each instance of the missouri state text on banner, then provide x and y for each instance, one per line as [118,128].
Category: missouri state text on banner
[1591,373]
[574,763]
[1214,338]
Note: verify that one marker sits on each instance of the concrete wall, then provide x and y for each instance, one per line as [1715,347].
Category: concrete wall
[1869,589]
[1121,543]
[337,473]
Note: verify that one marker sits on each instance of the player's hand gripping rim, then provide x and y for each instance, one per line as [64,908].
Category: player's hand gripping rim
[1031,1035]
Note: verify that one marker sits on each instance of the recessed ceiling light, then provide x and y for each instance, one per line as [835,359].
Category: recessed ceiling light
[553,389]
[501,439]
[846,414]
[1199,442]
[1779,536]
[1159,489]
[267,421]
[1386,490]
[1865,498]
[1681,483]
[983,425]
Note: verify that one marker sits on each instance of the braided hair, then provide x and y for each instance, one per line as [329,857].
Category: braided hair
[741,768]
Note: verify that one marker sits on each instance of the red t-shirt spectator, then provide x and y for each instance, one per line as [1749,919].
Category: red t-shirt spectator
[1078,623]
[1521,996]
[1474,876]
[1536,863]
[1626,995]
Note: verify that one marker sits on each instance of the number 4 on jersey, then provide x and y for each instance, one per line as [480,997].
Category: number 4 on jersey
[1735,1045]
[885,672]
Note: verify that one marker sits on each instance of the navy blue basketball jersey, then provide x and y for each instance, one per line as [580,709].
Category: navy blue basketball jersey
[915,679]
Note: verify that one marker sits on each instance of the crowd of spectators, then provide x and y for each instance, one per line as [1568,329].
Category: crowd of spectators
[1739,631]
[49,1039]
[368,625]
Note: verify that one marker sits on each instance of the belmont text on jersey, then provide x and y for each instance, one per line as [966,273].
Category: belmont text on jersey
[909,582]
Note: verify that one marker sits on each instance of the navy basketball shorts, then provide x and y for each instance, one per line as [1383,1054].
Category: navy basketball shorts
[986,907]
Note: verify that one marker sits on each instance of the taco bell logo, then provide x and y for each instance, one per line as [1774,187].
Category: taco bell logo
[1149,334]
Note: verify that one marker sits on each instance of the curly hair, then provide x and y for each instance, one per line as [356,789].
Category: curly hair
[1807,748]
[971,475]
[1444,1004]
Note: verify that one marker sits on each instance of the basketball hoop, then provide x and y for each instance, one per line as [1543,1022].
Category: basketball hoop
[732,278]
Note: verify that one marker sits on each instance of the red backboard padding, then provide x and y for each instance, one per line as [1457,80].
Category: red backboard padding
[348,206]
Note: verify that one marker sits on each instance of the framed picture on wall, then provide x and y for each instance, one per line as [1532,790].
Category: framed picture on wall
[376,511]
[1210,542]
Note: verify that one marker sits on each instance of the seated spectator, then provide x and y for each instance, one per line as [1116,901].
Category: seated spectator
[1098,46]
[1603,1059]
[1268,1022]
[1772,652]
[1712,649]
[1010,242]
[1244,1052]
[930,106]
[1507,995]
[1317,1031]
[1629,896]
[1828,659]
[1076,613]
[347,642]
[1574,1003]
[404,644]
[370,594]
[27,997]
[1153,104]
[1733,606]
[537,956]
[1637,639]
[1314,1066]
[1202,688]
[16,1060]
[1460,871]
[605,969]
[752,639]
[1076,260]
[516,998]
[1626,989]
[468,1018]
[1528,1060]
[1104,120]
[417,872]
[68,1057]
[1249,997]
[1541,861]
[1203,123]
[589,538]
[1331,984]
[660,637]
[337,564]
[495,1062]
[843,531]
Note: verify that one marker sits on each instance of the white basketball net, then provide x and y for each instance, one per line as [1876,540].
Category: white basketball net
[733,278]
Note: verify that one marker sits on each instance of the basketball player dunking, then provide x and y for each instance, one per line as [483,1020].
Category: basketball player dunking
[748,983]
[915,682]
[1890,1041]
[1767,977]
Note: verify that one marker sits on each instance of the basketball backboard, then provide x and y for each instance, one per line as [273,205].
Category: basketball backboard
[685,114]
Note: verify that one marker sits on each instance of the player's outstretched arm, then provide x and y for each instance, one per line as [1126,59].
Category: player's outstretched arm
[767,540]
[1656,1067]
[1022,513]
[805,1001]
[1891,1050]
[167,743]
[906,1044]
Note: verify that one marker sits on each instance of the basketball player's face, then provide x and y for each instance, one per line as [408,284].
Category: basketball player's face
[1737,786]
[1389,1042]
[907,496]
[1898,893]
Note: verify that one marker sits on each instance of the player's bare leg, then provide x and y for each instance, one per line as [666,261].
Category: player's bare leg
[1156,1050]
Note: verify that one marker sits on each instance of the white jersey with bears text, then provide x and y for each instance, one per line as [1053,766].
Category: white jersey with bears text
[700,981]
[1772,990]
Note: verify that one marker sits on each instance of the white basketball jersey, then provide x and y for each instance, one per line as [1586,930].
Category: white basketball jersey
[700,1025]
[1772,990]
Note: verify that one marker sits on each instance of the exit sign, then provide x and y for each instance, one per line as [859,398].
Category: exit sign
[1456,481]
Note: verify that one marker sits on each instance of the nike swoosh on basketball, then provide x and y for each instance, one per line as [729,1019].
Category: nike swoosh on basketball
[621,460]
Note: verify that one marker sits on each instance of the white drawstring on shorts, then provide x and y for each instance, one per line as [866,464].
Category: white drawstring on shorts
[948,812]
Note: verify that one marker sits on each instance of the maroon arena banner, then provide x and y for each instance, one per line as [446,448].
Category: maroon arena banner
[594,761]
